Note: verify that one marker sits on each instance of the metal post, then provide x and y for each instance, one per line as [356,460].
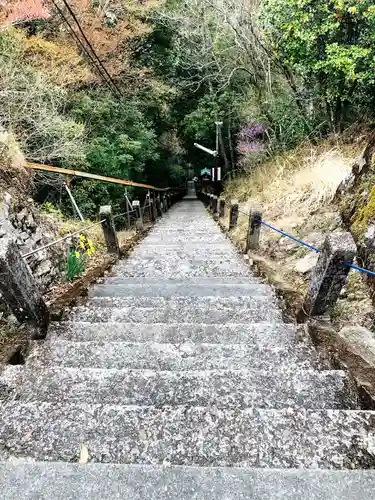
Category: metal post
[73,202]
[128,208]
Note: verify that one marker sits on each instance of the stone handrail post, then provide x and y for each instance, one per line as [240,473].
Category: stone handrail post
[233,214]
[151,210]
[253,232]
[221,207]
[20,290]
[214,205]
[158,206]
[136,204]
[109,230]
[330,274]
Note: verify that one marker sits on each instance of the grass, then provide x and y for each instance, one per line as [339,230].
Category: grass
[295,191]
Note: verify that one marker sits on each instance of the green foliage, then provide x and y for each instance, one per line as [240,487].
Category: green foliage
[50,209]
[120,142]
[75,264]
[331,45]
[34,108]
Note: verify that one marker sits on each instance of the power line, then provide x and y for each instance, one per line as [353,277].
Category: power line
[72,32]
[91,47]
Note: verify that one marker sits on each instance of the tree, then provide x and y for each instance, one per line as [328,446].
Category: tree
[330,45]
[32,108]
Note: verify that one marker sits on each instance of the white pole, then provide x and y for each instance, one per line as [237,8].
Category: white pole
[206,150]
[74,202]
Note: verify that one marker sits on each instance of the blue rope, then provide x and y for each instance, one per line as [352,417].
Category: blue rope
[317,250]
[362,269]
[291,237]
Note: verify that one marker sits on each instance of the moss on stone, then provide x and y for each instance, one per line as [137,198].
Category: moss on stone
[364,216]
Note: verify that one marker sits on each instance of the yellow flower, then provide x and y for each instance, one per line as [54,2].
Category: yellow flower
[89,242]
[82,237]
[89,252]
[82,245]
[77,254]
[92,248]
[352,10]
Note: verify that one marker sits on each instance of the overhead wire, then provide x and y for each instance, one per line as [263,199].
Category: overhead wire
[91,47]
[86,51]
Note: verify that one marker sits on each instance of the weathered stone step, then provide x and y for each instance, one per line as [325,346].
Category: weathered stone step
[170,230]
[183,255]
[188,436]
[180,269]
[218,388]
[261,334]
[154,356]
[199,281]
[180,289]
[182,314]
[69,481]
[173,237]
[206,246]
[176,302]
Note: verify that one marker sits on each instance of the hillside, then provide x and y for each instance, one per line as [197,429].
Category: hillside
[304,193]
[126,89]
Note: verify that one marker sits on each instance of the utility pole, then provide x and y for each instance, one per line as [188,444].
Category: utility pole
[217,157]
[216,169]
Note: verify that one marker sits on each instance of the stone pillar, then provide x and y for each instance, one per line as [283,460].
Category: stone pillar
[109,230]
[151,210]
[158,206]
[221,207]
[19,289]
[214,204]
[330,274]
[155,216]
[138,212]
[253,232]
[164,198]
[233,214]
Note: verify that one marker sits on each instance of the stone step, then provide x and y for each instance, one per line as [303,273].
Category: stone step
[170,230]
[178,314]
[198,281]
[149,253]
[72,481]
[292,438]
[155,356]
[173,237]
[187,245]
[260,334]
[180,289]
[180,269]
[218,388]
[179,303]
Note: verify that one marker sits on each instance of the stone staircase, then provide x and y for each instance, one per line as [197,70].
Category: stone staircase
[177,379]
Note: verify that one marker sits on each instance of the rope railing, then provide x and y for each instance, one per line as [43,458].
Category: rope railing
[22,291]
[329,276]
[66,237]
[307,245]
[79,231]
